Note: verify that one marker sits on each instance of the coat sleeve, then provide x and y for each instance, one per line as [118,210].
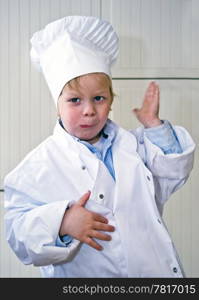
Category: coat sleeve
[170,171]
[32,228]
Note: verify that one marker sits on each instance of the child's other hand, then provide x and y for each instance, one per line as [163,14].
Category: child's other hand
[148,114]
[85,225]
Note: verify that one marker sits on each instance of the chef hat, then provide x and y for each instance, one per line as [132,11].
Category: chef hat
[71,47]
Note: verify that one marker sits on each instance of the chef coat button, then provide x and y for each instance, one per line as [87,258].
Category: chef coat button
[175,270]
[141,141]
[148,178]
[101,196]
[83,167]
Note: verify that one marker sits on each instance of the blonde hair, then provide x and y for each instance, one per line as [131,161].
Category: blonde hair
[75,82]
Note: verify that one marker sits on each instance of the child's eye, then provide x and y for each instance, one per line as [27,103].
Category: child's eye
[74,100]
[99,98]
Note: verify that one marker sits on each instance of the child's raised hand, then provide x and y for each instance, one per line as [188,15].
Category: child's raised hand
[85,225]
[148,114]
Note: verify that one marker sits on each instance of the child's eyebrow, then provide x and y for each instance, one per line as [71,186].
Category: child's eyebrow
[75,94]
[101,91]
[71,94]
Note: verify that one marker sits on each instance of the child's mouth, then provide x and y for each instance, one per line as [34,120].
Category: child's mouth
[86,126]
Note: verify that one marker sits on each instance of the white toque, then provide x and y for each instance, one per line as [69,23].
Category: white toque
[71,47]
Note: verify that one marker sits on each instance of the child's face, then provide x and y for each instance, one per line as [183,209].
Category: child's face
[85,105]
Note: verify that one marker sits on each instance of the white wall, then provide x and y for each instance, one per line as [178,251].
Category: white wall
[159,39]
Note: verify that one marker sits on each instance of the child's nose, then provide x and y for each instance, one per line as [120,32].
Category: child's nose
[89,109]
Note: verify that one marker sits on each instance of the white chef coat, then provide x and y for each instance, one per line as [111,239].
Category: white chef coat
[60,170]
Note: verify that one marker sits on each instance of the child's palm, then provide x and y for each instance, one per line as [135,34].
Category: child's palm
[85,225]
[148,114]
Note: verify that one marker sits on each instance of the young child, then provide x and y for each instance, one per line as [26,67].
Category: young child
[88,201]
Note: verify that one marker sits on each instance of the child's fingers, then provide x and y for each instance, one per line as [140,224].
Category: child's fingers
[151,89]
[103,227]
[99,218]
[82,201]
[152,94]
[89,241]
[100,236]
[136,111]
